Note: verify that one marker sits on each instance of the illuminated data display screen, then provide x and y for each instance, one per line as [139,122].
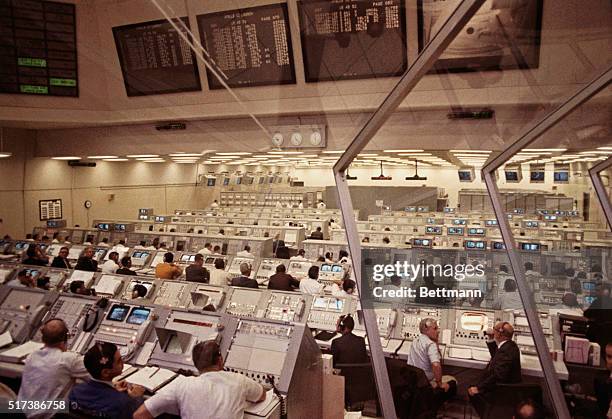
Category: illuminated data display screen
[38,48]
[250,47]
[155,59]
[352,39]
[501,35]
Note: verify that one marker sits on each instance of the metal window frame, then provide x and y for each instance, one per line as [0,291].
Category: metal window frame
[426,59]
[530,134]
[600,189]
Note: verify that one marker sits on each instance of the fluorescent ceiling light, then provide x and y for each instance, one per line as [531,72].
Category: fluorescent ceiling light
[414,154]
[545,149]
[186,162]
[403,151]
[471,151]
[604,148]
[333,152]
[146,156]
[118,159]
[5,154]
[152,160]
[234,154]
[102,157]
[285,152]
[368,155]
[66,158]
[185,155]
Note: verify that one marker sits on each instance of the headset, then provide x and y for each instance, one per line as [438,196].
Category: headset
[342,325]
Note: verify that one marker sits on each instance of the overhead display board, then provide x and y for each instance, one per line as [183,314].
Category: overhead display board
[501,35]
[155,59]
[250,47]
[38,52]
[353,39]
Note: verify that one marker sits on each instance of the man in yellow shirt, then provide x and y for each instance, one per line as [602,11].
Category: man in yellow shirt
[168,270]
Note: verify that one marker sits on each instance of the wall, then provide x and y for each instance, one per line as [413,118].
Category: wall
[12,172]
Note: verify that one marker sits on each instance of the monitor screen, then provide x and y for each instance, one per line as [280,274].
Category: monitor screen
[118,313]
[226,181]
[561,176]
[238,180]
[337,268]
[99,254]
[433,230]
[465,175]
[326,267]
[320,303]
[550,217]
[500,33]
[588,300]
[473,322]
[449,210]
[459,222]
[335,304]
[589,286]
[251,46]
[499,246]
[39,48]
[155,59]
[352,39]
[530,246]
[21,245]
[491,222]
[455,231]
[209,261]
[211,181]
[537,176]
[138,315]
[512,176]
[476,231]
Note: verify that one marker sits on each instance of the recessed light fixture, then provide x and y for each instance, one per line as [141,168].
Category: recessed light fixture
[471,151]
[545,149]
[185,155]
[285,152]
[102,157]
[66,158]
[234,154]
[403,151]
[159,160]
[148,156]
[118,159]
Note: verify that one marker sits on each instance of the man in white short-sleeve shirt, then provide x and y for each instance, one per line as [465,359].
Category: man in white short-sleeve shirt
[50,372]
[214,394]
[424,354]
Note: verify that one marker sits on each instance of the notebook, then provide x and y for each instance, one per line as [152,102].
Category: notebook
[152,378]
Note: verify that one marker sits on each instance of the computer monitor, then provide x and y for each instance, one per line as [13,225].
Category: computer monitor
[537,176]
[449,210]
[455,231]
[459,222]
[421,242]
[476,231]
[561,176]
[531,247]
[490,223]
[589,286]
[433,230]
[498,246]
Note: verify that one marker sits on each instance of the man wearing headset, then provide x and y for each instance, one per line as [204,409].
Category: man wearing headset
[214,394]
[504,367]
[50,372]
[348,348]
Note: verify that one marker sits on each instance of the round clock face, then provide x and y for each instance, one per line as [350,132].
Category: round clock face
[277,139]
[296,138]
[315,138]
[87,204]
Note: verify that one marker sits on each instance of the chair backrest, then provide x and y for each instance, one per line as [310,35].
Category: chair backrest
[359,385]
[508,396]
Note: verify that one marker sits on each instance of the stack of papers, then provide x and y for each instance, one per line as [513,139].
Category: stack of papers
[85,276]
[108,285]
[263,408]
[151,378]
[20,352]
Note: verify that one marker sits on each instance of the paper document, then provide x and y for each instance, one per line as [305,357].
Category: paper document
[20,352]
[265,407]
[461,353]
[151,378]
[108,285]
[5,339]
[85,276]
[481,354]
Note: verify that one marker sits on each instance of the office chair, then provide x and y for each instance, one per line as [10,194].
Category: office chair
[508,396]
[359,383]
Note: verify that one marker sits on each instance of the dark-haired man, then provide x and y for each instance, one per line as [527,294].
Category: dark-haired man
[282,281]
[126,264]
[86,262]
[61,260]
[244,279]
[50,372]
[99,396]
[196,272]
[168,270]
[214,394]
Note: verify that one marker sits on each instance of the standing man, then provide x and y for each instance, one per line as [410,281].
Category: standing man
[50,372]
[196,272]
[425,354]
[214,393]
[504,367]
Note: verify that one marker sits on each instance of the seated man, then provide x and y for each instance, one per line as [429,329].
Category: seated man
[61,261]
[425,354]
[246,253]
[50,372]
[504,367]
[282,281]
[23,279]
[206,250]
[126,264]
[196,272]
[300,256]
[317,235]
[139,291]
[214,394]
[99,396]
[86,262]
[243,280]
[168,270]
[111,265]
[310,285]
